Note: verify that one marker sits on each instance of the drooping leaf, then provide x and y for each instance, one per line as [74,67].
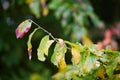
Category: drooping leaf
[75,55]
[59,53]
[29,43]
[48,44]
[23,28]
[43,48]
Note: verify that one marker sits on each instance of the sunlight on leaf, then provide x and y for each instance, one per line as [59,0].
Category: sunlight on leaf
[29,43]
[23,28]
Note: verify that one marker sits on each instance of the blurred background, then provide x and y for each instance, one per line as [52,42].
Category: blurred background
[85,21]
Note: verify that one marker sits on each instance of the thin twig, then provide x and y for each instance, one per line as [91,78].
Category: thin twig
[44,30]
[55,39]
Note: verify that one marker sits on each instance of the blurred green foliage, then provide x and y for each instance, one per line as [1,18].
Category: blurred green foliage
[13,55]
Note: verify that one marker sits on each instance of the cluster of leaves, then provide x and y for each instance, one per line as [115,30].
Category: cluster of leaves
[87,61]
[75,16]
[36,6]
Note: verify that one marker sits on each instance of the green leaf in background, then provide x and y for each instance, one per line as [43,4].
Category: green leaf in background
[35,8]
[43,48]
[54,4]
[23,28]
[29,43]
[59,53]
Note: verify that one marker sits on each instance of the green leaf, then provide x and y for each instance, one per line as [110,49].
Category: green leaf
[90,63]
[48,44]
[35,8]
[29,43]
[59,52]
[23,28]
[54,4]
[111,67]
[43,48]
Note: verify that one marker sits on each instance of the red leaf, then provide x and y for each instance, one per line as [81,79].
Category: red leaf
[23,28]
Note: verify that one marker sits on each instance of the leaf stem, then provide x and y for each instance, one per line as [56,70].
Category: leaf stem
[55,39]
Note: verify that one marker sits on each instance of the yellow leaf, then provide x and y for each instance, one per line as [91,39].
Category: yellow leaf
[29,1]
[75,55]
[45,11]
[43,1]
[62,64]
[44,7]
[34,76]
[86,40]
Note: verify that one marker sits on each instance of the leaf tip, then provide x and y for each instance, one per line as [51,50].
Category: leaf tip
[29,53]
[61,42]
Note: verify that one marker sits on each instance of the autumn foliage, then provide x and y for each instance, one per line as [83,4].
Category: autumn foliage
[87,62]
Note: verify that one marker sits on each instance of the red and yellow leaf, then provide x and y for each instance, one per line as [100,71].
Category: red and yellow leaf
[23,28]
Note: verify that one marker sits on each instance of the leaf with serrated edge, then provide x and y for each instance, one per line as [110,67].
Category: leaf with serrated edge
[59,52]
[29,43]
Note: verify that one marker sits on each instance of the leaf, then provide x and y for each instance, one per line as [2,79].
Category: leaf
[62,63]
[45,11]
[35,8]
[86,40]
[59,53]
[75,55]
[48,44]
[100,72]
[23,28]
[44,7]
[111,67]
[43,48]
[29,43]
[90,63]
